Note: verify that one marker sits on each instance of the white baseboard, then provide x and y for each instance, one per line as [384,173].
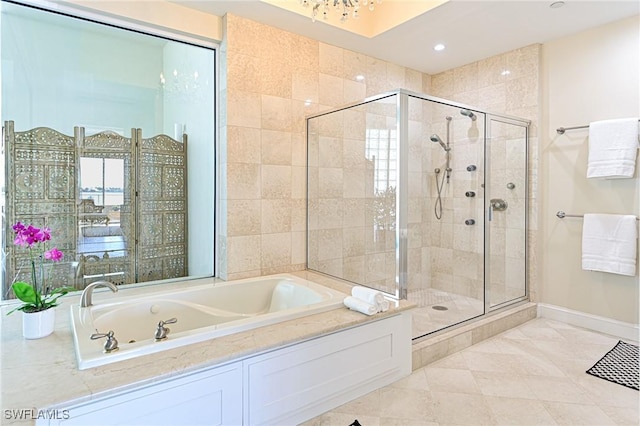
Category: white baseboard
[623,330]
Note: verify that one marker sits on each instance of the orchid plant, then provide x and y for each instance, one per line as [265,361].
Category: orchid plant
[34,296]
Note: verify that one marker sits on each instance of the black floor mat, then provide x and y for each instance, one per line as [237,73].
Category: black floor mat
[619,365]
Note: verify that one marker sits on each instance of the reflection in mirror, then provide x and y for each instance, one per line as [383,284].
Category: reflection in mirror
[75,158]
[101,200]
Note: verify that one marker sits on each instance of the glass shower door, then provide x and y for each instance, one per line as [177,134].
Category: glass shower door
[445,214]
[506,235]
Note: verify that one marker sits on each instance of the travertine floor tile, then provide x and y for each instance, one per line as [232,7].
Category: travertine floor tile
[461,409]
[577,414]
[514,411]
[534,374]
[451,380]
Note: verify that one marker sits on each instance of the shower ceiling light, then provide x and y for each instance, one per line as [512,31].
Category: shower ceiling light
[346,7]
[438,47]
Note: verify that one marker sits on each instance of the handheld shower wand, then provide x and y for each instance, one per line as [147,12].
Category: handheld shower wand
[468,113]
[445,146]
[440,182]
[436,138]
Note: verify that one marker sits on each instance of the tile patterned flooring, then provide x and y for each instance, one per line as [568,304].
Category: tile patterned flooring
[533,374]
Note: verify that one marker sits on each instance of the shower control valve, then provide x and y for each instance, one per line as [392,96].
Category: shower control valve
[469,194]
[469,222]
[471,168]
[498,204]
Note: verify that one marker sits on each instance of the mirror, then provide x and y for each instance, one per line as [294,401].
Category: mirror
[115,109]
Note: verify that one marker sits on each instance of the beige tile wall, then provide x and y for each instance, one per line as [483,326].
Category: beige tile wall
[271,80]
[445,254]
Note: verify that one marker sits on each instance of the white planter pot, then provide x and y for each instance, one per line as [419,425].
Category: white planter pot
[38,324]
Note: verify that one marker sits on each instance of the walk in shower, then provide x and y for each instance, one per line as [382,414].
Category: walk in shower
[421,198]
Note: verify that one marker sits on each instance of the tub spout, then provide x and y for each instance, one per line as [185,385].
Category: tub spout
[87,293]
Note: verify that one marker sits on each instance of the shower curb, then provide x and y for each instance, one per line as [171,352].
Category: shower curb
[448,342]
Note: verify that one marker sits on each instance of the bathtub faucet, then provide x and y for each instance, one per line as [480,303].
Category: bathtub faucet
[162,331]
[87,293]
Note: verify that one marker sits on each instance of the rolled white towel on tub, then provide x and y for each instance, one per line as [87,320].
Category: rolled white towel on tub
[384,306]
[369,295]
[360,305]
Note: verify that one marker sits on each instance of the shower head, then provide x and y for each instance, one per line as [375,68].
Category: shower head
[468,113]
[436,138]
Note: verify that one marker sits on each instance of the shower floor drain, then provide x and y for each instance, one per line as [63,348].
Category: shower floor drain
[440,308]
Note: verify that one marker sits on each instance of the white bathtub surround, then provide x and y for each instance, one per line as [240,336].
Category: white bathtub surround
[609,243]
[284,386]
[55,356]
[613,147]
[202,312]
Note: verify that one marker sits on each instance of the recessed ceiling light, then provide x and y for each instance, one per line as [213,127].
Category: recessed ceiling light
[505,72]
[556,4]
[438,47]
[359,77]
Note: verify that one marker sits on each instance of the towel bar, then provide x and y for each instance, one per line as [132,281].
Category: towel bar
[562,215]
[561,130]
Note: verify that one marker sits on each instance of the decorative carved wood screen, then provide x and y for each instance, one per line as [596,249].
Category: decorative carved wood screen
[42,169]
[161,208]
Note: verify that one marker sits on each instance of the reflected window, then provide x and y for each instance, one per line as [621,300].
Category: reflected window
[102,180]
[380,149]
[101,201]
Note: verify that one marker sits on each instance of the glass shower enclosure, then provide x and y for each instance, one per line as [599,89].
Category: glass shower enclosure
[423,199]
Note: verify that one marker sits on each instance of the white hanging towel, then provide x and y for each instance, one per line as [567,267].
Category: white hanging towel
[613,147]
[609,243]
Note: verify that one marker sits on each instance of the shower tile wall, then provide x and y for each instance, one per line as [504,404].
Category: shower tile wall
[271,80]
[445,261]
[508,84]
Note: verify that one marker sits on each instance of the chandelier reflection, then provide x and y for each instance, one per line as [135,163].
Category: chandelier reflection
[348,7]
[181,85]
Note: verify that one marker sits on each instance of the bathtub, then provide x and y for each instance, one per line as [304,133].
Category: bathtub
[203,312]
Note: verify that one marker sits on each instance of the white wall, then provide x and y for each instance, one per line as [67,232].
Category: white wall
[47,86]
[188,102]
[589,76]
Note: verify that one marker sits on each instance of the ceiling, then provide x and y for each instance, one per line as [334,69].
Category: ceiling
[470,29]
